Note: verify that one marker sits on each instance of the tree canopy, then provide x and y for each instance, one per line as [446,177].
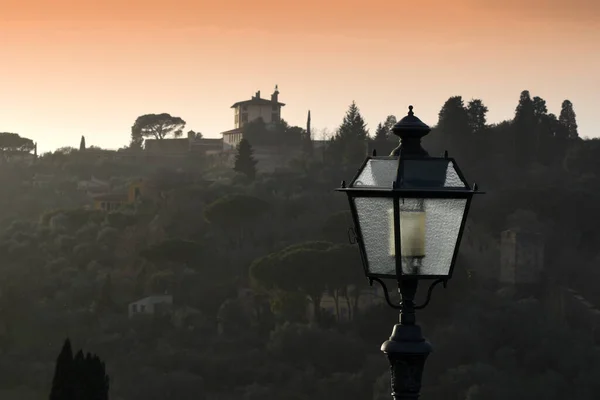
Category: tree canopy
[157,126]
[349,144]
[245,163]
[12,142]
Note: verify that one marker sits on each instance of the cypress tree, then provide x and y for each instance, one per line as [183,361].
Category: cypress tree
[244,161]
[307,144]
[100,384]
[82,377]
[62,383]
[82,144]
[567,120]
[525,123]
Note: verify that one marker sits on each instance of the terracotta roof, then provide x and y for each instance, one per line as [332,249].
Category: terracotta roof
[257,101]
[166,145]
[236,130]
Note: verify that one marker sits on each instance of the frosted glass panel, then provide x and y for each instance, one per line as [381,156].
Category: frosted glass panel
[452,178]
[430,174]
[425,173]
[377,173]
[374,221]
[443,218]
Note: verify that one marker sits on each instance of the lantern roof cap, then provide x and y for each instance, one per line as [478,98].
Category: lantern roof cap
[410,122]
[410,130]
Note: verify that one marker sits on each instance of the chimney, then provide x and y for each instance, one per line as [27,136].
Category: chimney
[257,95]
[275,95]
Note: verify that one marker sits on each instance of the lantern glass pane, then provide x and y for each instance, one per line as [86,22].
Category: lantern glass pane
[432,173]
[429,234]
[453,179]
[377,174]
[374,224]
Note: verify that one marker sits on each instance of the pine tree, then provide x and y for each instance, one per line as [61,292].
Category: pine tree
[244,161]
[350,141]
[80,376]
[476,112]
[62,383]
[539,107]
[567,119]
[389,123]
[454,125]
[381,132]
[82,144]
[381,144]
[525,109]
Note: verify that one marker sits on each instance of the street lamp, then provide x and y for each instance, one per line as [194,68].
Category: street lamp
[409,212]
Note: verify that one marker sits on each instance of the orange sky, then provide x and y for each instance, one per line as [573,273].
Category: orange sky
[90,67]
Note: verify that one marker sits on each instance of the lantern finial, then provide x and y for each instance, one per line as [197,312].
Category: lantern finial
[410,130]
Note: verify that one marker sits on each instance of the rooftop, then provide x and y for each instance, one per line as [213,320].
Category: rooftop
[236,130]
[258,102]
[167,145]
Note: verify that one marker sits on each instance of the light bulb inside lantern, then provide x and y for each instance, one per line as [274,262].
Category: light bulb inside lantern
[412,233]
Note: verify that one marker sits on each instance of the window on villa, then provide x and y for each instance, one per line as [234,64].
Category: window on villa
[275,117]
[134,308]
[245,117]
[142,308]
[137,193]
[274,107]
[103,205]
[244,108]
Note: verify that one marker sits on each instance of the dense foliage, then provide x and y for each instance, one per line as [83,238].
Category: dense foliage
[248,261]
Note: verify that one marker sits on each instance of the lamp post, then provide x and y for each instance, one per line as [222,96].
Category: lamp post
[409,212]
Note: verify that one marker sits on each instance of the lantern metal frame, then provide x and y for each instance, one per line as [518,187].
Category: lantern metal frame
[407,349]
[395,194]
[411,132]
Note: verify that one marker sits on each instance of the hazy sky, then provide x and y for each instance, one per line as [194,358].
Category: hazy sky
[88,67]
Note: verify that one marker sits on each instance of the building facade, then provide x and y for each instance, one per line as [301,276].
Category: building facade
[114,201]
[151,305]
[251,110]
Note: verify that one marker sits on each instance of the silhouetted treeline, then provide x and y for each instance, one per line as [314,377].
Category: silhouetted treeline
[268,296]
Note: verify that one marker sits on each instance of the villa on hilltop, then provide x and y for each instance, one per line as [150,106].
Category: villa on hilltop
[271,155]
[250,110]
